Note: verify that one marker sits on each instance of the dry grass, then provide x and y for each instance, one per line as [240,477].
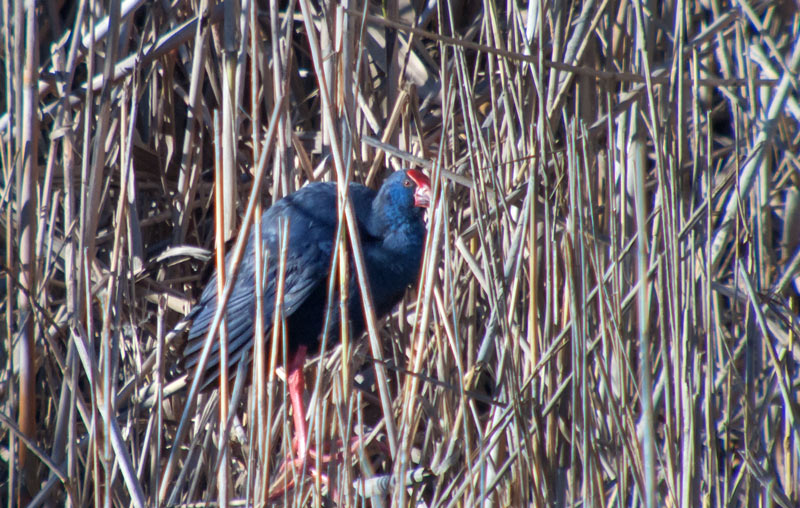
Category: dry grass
[607,314]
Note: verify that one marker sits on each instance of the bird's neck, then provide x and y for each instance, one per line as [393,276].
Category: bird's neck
[404,236]
[397,232]
[396,263]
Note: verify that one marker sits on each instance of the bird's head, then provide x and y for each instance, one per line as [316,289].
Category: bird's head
[406,191]
[402,197]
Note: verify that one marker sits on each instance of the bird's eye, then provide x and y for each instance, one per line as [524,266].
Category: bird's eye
[407,183]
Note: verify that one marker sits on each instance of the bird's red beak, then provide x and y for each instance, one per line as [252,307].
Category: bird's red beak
[422,196]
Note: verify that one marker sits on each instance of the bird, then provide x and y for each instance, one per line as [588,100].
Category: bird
[392,232]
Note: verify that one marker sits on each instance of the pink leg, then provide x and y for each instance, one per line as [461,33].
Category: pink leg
[296,382]
[297,386]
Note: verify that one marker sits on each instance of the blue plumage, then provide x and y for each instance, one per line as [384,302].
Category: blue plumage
[392,235]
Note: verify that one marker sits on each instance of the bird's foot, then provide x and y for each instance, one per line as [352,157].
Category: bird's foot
[309,459]
[333,451]
[298,473]
[302,464]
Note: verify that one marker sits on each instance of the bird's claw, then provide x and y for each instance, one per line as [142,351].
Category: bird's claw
[295,464]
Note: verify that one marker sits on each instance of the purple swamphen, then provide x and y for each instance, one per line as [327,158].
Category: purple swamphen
[392,234]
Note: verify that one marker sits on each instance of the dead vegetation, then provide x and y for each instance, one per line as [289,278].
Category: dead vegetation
[607,314]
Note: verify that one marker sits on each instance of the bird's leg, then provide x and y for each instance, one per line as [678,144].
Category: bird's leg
[298,455]
[296,381]
[297,386]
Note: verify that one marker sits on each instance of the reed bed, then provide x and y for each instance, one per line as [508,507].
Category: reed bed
[608,308]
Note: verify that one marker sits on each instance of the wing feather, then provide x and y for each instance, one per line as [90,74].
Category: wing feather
[311,213]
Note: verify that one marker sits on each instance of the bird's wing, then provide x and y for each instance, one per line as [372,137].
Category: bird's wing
[312,226]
